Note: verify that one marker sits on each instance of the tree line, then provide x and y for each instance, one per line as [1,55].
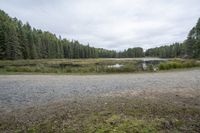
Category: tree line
[21,41]
[131,53]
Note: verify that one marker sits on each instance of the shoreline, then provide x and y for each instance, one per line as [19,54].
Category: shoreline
[88,74]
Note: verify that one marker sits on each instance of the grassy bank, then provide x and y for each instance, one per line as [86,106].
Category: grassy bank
[82,66]
[68,66]
[178,64]
[167,113]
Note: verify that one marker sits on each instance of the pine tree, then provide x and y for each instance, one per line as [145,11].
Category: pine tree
[12,44]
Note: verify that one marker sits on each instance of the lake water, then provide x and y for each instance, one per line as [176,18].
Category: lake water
[115,66]
[140,59]
[144,64]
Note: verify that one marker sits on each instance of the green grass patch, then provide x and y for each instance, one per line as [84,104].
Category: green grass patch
[68,66]
[118,115]
[177,64]
[86,66]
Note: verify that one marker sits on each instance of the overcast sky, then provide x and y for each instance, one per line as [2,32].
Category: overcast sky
[110,24]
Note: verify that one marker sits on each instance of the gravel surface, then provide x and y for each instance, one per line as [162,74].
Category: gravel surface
[22,91]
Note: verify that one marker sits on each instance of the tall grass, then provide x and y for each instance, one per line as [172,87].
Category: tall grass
[68,66]
[175,64]
[89,65]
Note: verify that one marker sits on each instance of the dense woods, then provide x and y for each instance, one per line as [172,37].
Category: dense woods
[131,53]
[21,41]
[171,51]
[190,48]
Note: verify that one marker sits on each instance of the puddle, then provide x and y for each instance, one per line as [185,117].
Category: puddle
[115,66]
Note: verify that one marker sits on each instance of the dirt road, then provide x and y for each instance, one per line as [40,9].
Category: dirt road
[21,91]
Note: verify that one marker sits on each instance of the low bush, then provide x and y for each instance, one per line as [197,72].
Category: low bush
[178,64]
[89,66]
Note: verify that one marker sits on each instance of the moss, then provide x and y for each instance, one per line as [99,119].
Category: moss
[137,115]
[118,124]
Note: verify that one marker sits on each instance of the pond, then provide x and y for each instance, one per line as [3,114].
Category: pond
[144,63]
[140,59]
[152,63]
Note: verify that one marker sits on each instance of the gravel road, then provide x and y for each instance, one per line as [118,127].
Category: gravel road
[21,91]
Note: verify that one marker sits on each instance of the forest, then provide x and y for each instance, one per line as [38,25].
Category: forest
[190,48]
[21,41]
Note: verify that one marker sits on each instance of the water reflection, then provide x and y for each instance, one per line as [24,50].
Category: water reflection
[115,66]
[143,63]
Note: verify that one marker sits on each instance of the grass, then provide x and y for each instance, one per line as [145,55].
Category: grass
[177,64]
[109,115]
[123,124]
[89,66]
[68,66]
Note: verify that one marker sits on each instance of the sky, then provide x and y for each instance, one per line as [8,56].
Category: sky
[110,24]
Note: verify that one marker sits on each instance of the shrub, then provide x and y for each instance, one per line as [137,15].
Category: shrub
[178,64]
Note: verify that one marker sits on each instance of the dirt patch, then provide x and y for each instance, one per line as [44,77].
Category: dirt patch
[172,111]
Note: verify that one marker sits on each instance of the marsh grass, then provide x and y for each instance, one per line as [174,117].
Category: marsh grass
[177,64]
[62,66]
[68,66]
